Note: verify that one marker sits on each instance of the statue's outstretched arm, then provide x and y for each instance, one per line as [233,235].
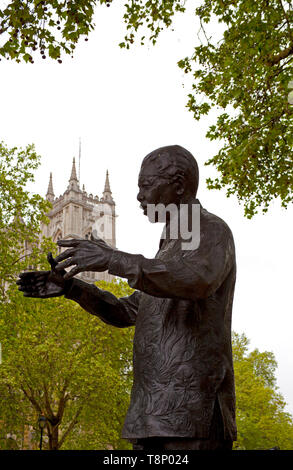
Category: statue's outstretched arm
[117,312]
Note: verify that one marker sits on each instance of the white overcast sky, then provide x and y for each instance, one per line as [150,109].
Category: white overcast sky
[123,104]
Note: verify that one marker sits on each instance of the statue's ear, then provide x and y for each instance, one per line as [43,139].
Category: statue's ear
[180,183]
[180,190]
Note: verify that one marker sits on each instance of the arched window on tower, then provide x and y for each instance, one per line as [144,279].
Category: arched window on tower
[56,238]
[59,247]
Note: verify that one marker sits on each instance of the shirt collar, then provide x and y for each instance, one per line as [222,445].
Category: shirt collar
[163,235]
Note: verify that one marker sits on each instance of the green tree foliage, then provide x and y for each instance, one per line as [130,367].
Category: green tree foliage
[154,15]
[58,360]
[244,75]
[49,27]
[20,214]
[261,419]
[65,364]
[54,27]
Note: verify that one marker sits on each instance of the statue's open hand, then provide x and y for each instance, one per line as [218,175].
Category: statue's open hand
[42,284]
[85,255]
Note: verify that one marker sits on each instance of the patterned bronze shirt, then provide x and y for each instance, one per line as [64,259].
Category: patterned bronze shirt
[182,354]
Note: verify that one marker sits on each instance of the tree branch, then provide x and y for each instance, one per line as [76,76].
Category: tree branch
[32,400]
[282,55]
[286,17]
[204,31]
[63,399]
[47,401]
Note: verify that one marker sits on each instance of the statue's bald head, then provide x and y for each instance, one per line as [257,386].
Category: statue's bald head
[174,162]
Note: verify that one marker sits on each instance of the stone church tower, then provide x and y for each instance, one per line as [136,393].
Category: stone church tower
[77,214]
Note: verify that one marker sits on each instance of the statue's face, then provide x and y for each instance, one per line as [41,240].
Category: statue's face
[155,189]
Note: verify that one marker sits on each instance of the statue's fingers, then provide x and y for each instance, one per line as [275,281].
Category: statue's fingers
[51,260]
[40,275]
[26,292]
[27,275]
[64,255]
[72,242]
[25,282]
[31,276]
[72,273]
[27,285]
[31,283]
[65,264]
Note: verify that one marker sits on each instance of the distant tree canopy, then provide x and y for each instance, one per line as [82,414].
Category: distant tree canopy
[20,214]
[243,75]
[49,27]
[262,422]
[57,360]
[52,27]
[67,365]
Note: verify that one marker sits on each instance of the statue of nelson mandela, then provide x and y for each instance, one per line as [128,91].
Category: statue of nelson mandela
[183,393]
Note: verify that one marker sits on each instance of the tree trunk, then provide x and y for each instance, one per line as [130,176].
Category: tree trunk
[53,438]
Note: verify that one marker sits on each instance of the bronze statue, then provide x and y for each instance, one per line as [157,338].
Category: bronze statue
[183,390]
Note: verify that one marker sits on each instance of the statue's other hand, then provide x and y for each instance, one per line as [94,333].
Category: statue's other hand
[85,255]
[41,284]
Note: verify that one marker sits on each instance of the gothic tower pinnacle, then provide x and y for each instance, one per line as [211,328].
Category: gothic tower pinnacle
[50,193]
[107,190]
[73,181]
[77,214]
